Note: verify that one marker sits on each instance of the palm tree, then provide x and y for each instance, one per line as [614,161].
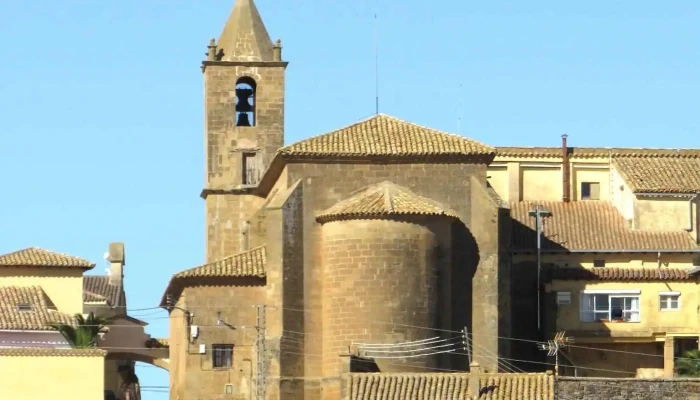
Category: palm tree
[84,332]
[689,364]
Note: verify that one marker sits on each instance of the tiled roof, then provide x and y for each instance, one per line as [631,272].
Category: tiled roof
[99,285]
[621,274]
[156,343]
[40,314]
[248,263]
[430,386]
[383,199]
[51,352]
[36,257]
[382,135]
[594,152]
[660,175]
[589,225]
[89,297]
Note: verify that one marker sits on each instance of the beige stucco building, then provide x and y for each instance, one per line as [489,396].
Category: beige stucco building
[38,288]
[619,252]
[385,232]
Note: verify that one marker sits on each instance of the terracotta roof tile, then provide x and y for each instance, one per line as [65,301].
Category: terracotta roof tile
[99,285]
[660,175]
[595,152]
[429,386]
[382,135]
[383,199]
[51,352]
[36,257]
[89,297]
[40,311]
[248,263]
[589,225]
[621,274]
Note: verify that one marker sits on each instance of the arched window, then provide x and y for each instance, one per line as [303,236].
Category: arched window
[245,101]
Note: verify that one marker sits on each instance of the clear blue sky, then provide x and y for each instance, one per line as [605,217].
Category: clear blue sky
[101,120]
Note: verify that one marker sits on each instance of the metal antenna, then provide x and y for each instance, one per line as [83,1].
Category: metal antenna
[459,111]
[376,61]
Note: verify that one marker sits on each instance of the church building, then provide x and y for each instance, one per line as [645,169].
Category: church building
[379,232]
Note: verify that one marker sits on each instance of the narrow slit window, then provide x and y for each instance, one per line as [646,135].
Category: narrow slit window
[251,173]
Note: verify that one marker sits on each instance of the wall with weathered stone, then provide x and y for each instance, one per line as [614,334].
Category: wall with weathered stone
[626,389]
[384,270]
[194,372]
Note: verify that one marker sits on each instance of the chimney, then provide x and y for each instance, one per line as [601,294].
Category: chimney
[117,260]
[566,170]
[474,378]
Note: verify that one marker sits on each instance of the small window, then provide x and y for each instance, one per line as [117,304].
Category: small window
[598,263]
[669,301]
[250,169]
[222,355]
[590,191]
[24,307]
[563,298]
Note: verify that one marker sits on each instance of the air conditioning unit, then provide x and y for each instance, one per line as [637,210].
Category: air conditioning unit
[202,348]
[194,331]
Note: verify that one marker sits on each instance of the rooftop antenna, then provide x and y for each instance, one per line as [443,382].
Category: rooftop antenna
[459,111]
[376,60]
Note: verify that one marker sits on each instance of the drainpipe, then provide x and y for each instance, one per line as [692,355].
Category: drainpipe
[565,168]
[690,213]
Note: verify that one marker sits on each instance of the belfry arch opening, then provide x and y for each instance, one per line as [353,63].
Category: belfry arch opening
[245,101]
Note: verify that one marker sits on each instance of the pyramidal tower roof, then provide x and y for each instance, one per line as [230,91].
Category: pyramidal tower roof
[244,37]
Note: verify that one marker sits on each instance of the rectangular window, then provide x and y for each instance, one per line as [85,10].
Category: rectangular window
[590,191]
[563,298]
[222,355]
[669,301]
[250,169]
[598,263]
[609,307]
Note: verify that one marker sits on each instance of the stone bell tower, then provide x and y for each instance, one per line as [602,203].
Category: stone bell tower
[244,121]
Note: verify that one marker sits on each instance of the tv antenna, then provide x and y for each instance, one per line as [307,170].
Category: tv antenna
[376,60]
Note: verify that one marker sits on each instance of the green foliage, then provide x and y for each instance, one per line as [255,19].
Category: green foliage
[84,332]
[689,364]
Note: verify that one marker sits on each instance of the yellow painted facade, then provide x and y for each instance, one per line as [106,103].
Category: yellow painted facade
[654,323]
[50,375]
[64,286]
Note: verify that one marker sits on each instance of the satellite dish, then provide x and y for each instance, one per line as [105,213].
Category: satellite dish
[106,256]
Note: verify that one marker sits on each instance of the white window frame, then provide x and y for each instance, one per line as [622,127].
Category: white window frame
[611,295]
[563,298]
[669,294]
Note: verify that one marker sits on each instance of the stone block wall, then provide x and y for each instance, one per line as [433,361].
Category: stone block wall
[626,389]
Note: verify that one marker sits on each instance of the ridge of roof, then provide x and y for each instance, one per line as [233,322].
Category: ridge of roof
[38,257]
[383,199]
[595,152]
[385,135]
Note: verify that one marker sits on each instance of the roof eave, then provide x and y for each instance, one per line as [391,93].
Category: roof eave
[529,251]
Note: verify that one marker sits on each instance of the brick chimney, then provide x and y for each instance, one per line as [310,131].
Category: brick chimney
[117,260]
[566,170]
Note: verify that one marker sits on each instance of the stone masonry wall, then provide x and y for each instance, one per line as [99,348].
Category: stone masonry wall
[626,389]
[200,378]
[225,141]
[449,184]
[379,271]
